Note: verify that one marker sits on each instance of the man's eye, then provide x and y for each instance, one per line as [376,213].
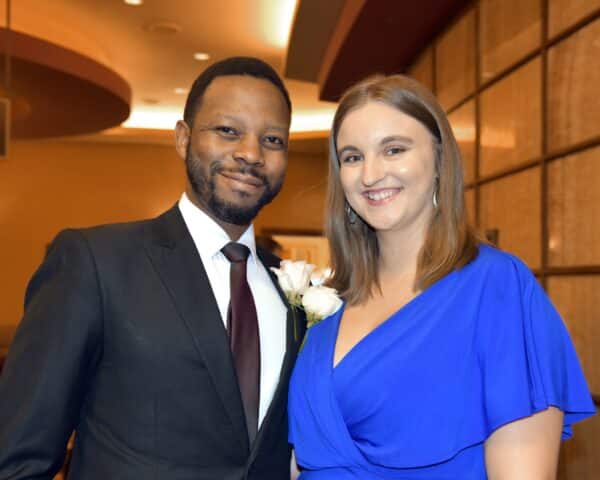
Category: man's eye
[227,131]
[274,141]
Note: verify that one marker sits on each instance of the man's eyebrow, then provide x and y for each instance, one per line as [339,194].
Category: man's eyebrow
[278,127]
[232,118]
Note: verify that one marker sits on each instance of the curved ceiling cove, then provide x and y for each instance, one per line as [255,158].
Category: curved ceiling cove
[379,36]
[55,91]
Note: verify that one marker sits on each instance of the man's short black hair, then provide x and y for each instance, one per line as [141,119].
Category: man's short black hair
[231,66]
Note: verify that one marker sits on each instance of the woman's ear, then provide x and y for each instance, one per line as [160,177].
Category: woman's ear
[182,138]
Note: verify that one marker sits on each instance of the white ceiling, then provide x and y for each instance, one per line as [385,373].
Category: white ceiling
[154,63]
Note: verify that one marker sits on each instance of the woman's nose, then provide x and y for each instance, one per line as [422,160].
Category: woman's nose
[373,171]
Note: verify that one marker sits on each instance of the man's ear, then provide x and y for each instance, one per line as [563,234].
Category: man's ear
[182,138]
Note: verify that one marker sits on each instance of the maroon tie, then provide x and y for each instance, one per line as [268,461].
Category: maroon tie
[242,325]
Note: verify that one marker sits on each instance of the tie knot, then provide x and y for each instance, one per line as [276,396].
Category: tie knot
[236,252]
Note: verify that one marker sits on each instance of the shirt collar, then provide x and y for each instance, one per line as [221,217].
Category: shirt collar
[208,235]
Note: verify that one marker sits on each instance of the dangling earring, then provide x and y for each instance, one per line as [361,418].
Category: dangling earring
[436,187]
[351,214]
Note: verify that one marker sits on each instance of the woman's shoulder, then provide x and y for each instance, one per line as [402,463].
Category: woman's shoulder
[494,277]
[493,256]
[501,265]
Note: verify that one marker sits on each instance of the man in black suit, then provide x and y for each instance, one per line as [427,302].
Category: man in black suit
[168,354]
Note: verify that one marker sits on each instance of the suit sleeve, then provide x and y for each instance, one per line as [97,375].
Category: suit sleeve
[51,361]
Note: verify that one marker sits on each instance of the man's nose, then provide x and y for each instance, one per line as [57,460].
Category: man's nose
[248,150]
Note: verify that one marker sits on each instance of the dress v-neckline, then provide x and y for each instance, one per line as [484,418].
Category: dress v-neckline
[338,320]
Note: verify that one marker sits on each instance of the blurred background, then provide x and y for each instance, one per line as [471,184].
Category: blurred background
[91,90]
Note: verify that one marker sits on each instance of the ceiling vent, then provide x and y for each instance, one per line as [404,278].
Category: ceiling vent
[162,27]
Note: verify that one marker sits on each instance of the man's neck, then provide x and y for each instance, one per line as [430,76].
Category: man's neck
[231,229]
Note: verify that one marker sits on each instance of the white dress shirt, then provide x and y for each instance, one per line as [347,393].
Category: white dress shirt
[209,239]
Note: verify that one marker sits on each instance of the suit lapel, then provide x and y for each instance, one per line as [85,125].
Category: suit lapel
[295,329]
[174,255]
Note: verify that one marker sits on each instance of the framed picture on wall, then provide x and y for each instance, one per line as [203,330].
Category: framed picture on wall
[299,245]
[4,126]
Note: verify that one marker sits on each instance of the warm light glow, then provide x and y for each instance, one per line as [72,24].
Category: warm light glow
[312,120]
[153,118]
[464,133]
[277,17]
[500,138]
[554,243]
[180,91]
[134,2]
[165,119]
[201,56]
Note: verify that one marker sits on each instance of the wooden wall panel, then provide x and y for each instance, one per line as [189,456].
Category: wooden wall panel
[574,209]
[573,88]
[470,205]
[576,298]
[422,68]
[511,122]
[564,13]
[579,459]
[462,121]
[524,119]
[510,29]
[455,61]
[512,205]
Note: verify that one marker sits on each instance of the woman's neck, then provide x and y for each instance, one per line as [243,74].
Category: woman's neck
[399,251]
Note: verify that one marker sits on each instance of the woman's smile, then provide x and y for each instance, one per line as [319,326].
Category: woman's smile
[381,196]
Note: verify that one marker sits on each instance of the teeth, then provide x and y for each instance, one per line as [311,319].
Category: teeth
[377,196]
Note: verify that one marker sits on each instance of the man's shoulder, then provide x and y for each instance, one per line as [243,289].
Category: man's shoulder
[114,233]
[117,229]
[118,234]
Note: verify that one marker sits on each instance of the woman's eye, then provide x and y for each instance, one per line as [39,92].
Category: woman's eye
[395,150]
[351,158]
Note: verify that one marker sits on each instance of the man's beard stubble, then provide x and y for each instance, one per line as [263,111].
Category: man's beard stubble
[205,189]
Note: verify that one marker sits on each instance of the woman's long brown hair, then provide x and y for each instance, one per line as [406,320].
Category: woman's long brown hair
[450,242]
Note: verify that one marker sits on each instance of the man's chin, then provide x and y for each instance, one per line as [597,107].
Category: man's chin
[236,213]
[239,201]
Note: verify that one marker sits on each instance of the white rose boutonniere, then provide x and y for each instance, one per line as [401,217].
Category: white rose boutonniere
[303,287]
[294,279]
[319,302]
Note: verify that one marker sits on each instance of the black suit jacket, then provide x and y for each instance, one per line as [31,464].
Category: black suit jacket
[122,341]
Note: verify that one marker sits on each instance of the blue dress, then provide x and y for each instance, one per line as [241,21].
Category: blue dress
[420,394]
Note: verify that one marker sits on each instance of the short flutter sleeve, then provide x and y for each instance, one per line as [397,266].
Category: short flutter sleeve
[528,361]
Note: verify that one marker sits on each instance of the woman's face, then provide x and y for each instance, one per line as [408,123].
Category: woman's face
[387,167]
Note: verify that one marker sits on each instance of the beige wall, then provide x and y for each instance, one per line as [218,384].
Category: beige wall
[299,205]
[49,185]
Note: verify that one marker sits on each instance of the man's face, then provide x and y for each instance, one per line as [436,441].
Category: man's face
[236,149]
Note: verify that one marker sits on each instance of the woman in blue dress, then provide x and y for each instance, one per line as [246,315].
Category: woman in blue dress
[447,359]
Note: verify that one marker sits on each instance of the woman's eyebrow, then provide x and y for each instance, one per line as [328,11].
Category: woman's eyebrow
[395,138]
[347,148]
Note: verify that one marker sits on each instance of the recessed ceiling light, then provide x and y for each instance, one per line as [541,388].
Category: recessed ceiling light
[180,91]
[201,56]
[134,2]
